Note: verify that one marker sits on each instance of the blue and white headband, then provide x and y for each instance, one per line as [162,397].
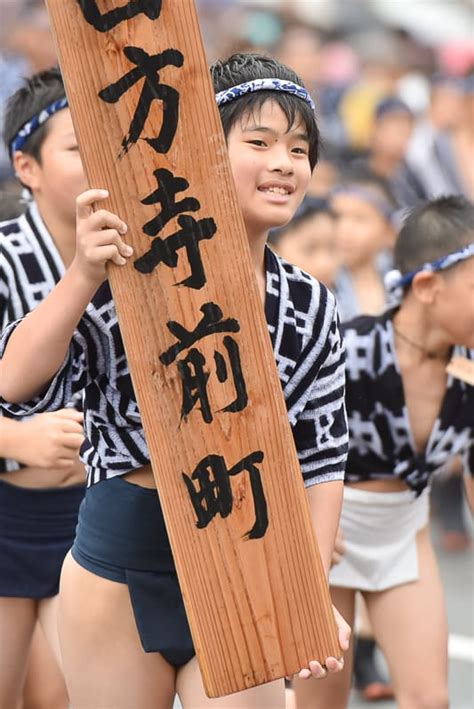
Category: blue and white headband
[365,193]
[264,85]
[34,123]
[395,282]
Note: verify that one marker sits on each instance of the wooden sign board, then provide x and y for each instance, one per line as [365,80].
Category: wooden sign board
[196,339]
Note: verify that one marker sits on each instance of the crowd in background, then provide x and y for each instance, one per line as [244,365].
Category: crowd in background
[396,113]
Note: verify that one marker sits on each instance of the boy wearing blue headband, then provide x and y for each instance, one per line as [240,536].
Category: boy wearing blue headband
[42,481]
[408,417]
[364,208]
[124,633]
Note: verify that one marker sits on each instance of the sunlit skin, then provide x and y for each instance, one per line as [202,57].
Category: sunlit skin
[310,245]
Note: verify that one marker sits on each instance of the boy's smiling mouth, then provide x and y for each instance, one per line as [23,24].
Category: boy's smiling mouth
[278,188]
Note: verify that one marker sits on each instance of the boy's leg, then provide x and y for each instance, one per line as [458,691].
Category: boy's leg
[44,686]
[104,662]
[410,624]
[192,696]
[17,622]
[48,609]
[332,691]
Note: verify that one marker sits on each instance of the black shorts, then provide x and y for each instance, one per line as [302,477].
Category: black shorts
[37,529]
[121,536]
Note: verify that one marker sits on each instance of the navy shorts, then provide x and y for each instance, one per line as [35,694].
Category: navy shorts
[121,536]
[37,529]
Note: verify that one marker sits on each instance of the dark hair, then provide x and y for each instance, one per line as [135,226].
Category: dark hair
[432,230]
[38,92]
[240,68]
[309,207]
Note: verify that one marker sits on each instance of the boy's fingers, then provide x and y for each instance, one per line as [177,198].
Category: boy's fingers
[106,237]
[85,201]
[103,219]
[71,414]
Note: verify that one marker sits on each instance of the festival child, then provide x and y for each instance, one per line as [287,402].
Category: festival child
[42,481]
[364,209]
[408,417]
[124,633]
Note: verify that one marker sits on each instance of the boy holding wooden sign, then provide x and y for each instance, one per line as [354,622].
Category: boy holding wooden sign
[272,139]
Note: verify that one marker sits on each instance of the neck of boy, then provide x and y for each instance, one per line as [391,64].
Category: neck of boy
[63,232]
[417,338]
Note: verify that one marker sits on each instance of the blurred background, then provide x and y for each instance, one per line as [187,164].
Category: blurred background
[393,81]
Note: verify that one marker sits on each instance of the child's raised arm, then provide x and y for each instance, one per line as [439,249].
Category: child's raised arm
[37,347]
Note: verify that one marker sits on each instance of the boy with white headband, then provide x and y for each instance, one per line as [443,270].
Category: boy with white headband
[42,481]
[115,656]
[410,401]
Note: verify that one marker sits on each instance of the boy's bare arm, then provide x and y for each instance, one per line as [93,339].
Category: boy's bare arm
[325,501]
[38,346]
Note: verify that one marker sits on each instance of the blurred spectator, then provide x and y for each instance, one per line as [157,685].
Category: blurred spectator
[308,240]
[391,133]
[364,207]
[441,153]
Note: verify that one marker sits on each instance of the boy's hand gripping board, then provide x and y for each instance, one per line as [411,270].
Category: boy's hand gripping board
[196,339]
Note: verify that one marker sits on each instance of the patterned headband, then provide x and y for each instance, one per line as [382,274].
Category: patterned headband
[395,282]
[379,203]
[34,123]
[264,85]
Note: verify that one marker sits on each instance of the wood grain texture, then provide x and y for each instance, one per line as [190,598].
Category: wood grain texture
[259,609]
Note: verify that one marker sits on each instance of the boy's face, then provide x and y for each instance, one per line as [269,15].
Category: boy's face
[311,246]
[270,166]
[361,230]
[59,179]
[454,304]
[392,134]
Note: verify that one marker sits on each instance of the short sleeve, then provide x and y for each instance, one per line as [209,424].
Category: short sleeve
[320,432]
[70,379]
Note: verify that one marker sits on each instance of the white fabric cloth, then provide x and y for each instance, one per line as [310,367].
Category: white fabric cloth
[380,538]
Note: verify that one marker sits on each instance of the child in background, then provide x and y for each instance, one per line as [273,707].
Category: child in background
[112,657]
[408,418]
[42,481]
[308,240]
[364,209]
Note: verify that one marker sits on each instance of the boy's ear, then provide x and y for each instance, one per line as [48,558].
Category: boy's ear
[425,286]
[26,169]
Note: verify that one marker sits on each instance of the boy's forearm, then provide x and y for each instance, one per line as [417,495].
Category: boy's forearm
[325,501]
[36,349]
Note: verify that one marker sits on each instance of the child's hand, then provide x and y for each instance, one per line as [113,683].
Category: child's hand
[51,440]
[332,664]
[99,238]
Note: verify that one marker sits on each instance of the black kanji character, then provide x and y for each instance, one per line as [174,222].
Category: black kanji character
[108,20]
[210,323]
[214,496]
[168,187]
[187,237]
[147,67]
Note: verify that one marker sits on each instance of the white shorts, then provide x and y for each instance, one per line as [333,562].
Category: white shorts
[380,531]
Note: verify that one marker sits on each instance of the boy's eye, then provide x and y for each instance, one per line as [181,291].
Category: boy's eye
[300,151]
[258,142]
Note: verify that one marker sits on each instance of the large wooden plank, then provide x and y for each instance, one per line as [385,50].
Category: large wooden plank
[247,559]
